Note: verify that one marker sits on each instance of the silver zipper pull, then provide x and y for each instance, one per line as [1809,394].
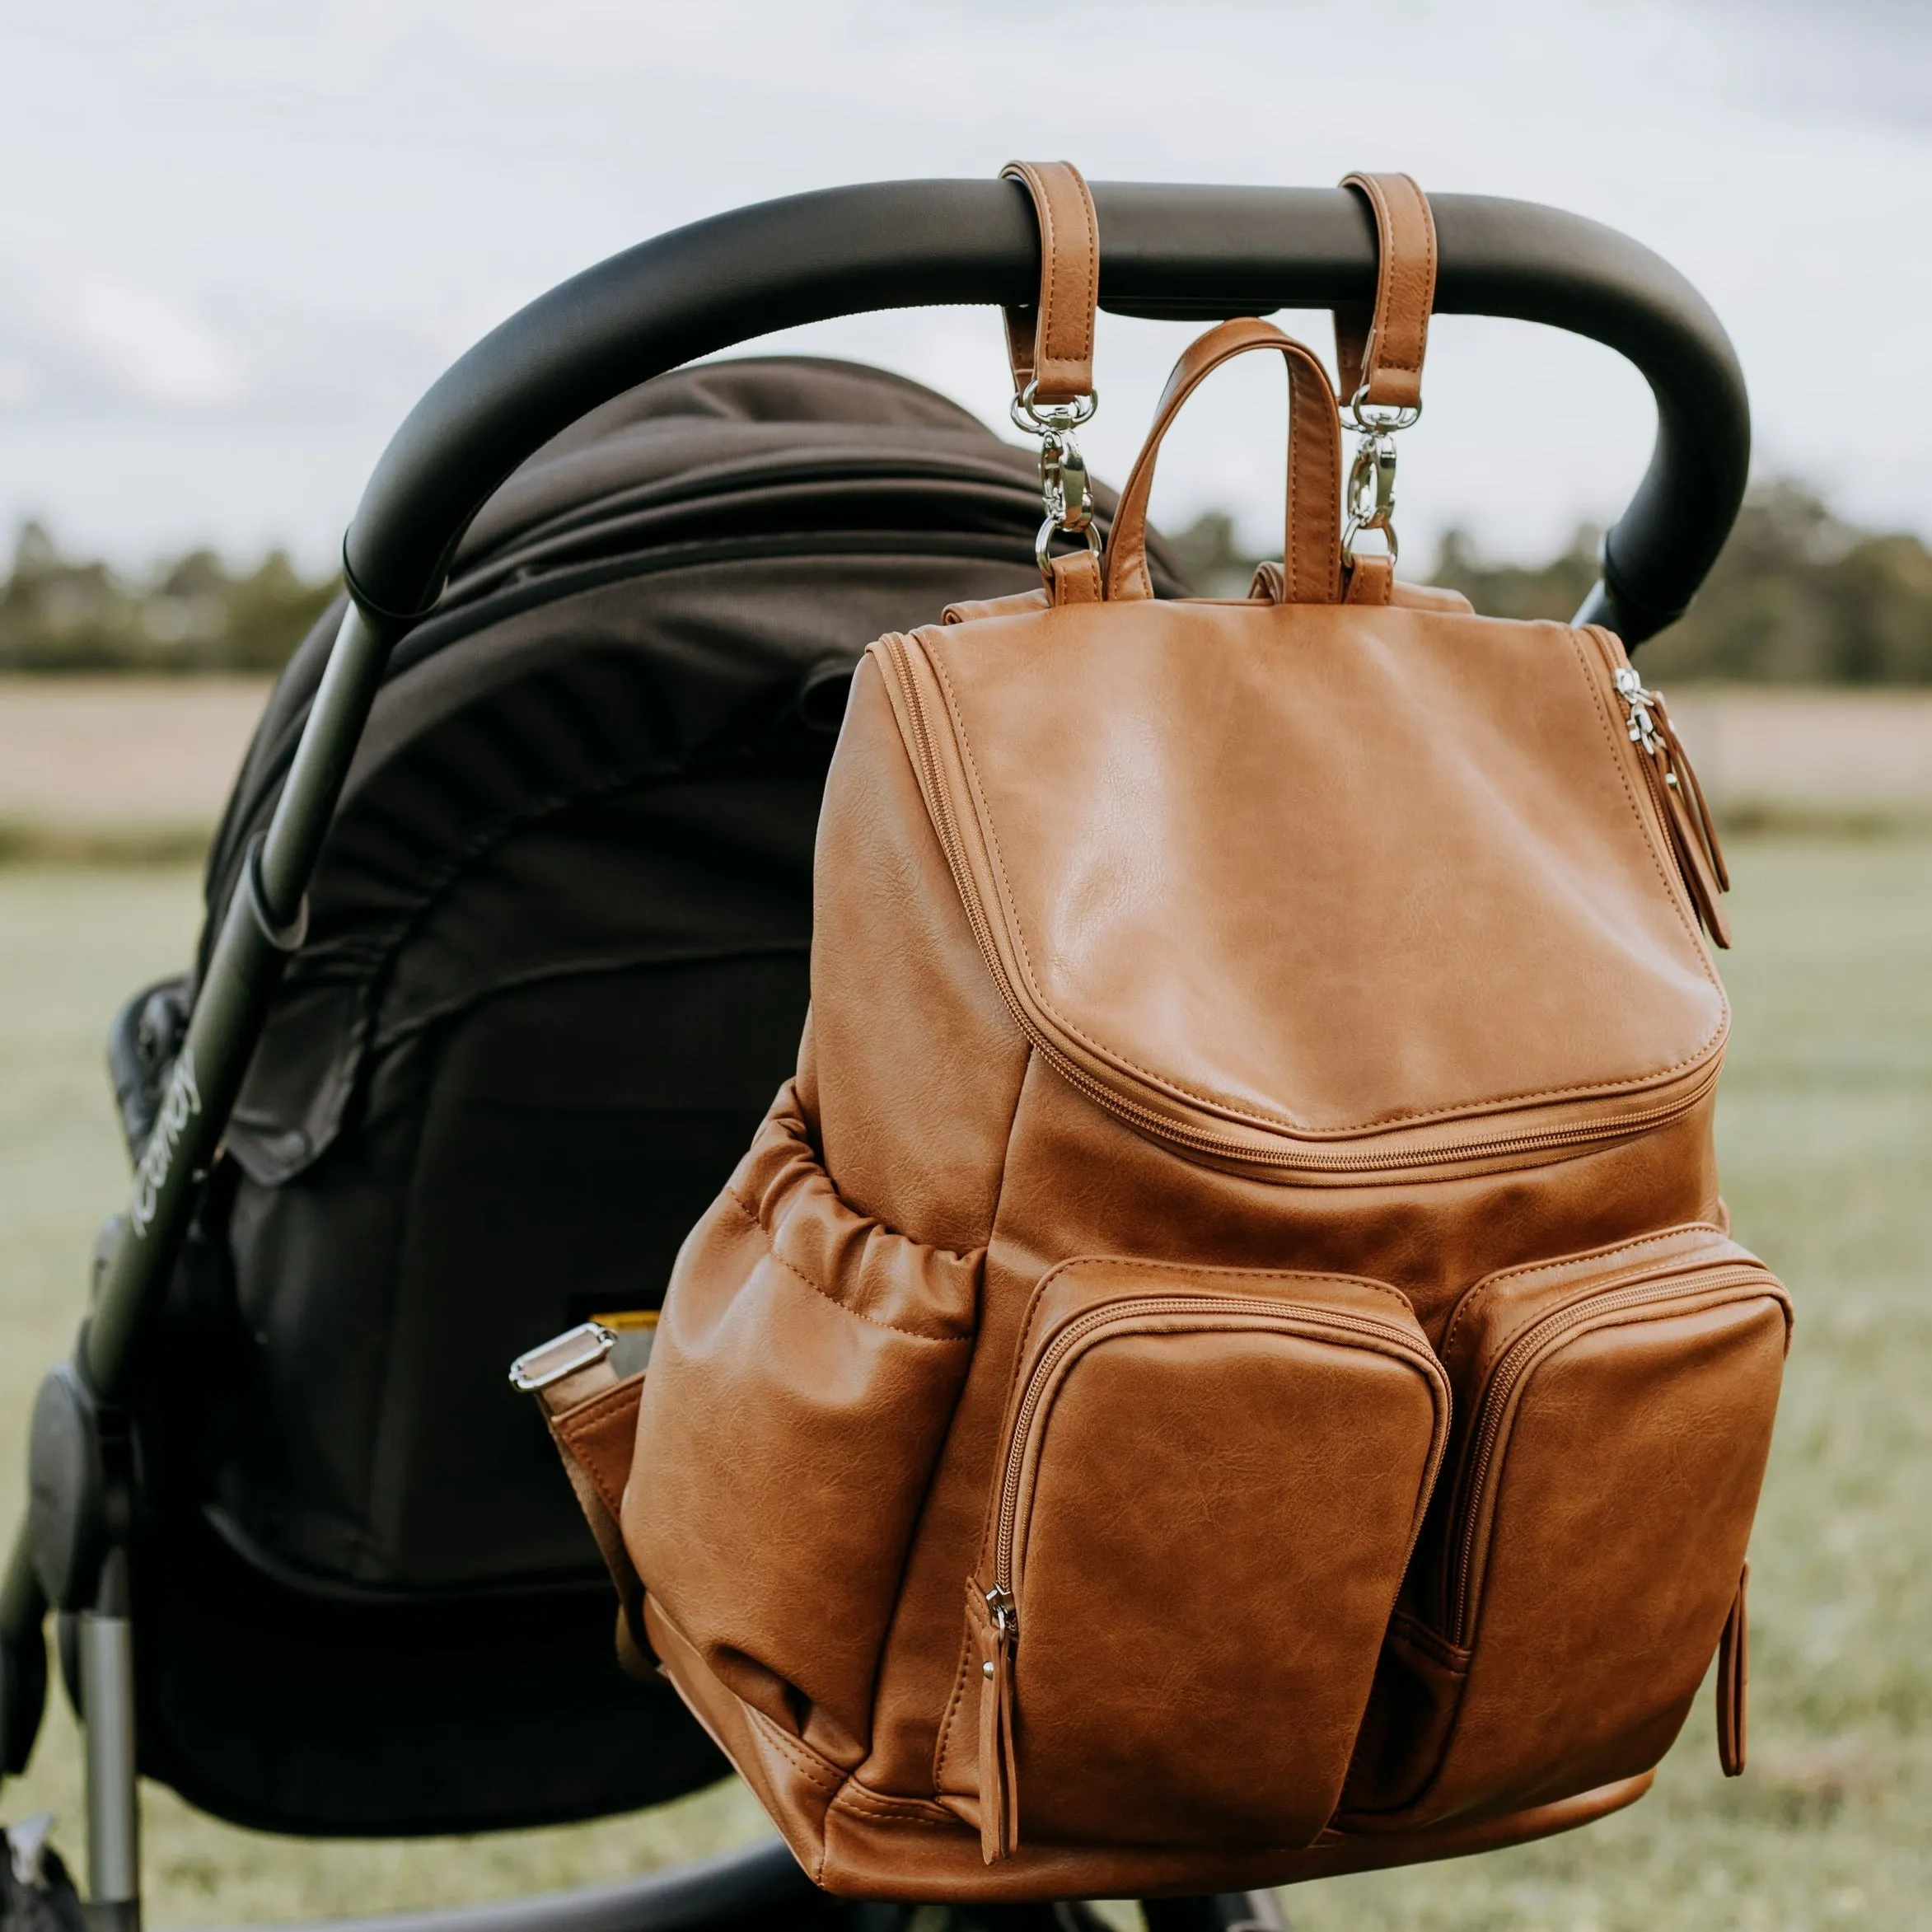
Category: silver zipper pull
[1003,1612]
[1643,733]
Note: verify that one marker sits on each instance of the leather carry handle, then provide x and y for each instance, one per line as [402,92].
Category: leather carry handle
[1311,540]
[1050,344]
[1378,354]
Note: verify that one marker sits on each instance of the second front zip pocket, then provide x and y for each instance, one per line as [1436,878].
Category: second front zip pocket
[1210,1483]
[1585,1553]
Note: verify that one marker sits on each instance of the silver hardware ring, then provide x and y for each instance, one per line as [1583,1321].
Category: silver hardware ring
[1035,421]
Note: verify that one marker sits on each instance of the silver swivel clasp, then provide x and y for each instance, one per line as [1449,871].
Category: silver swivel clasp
[1371,493]
[1066,497]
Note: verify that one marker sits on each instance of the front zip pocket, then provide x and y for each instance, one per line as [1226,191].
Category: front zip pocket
[1614,1415]
[1211,1482]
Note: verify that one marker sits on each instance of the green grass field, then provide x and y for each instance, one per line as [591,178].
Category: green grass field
[1826,1131]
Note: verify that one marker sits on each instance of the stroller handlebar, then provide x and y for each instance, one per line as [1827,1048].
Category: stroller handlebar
[1189,253]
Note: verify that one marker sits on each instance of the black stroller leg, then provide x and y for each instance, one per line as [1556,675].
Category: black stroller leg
[107,1703]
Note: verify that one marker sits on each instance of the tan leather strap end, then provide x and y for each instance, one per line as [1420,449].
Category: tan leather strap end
[1378,354]
[1369,580]
[1733,1683]
[1050,344]
[592,1417]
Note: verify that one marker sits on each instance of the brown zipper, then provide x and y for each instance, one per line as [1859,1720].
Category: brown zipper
[1159,1126]
[998,1634]
[1515,1363]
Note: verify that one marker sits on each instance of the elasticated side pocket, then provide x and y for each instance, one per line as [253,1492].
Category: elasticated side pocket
[1613,1417]
[1211,1483]
[806,1370]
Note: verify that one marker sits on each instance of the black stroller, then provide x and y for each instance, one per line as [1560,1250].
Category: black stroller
[511,904]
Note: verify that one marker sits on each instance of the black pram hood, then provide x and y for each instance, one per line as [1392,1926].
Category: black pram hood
[657,617]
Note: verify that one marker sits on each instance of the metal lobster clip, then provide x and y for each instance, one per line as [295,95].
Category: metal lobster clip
[1066,497]
[1371,493]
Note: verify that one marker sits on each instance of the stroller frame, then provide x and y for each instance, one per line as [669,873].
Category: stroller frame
[1193,254]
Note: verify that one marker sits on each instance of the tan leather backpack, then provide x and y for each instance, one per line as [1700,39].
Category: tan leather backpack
[1226,1364]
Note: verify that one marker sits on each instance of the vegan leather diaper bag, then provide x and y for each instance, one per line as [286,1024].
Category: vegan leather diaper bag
[1227,1364]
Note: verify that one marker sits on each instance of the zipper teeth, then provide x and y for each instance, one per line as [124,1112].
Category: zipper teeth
[1515,1361]
[1077,1330]
[1157,1125]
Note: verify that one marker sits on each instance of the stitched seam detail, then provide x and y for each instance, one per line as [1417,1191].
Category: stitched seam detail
[613,1503]
[1490,1283]
[814,1770]
[1373,360]
[1274,1124]
[879,1805]
[959,1682]
[568,1435]
[1385,273]
[1093,302]
[1084,1263]
[744,1207]
[1051,283]
[1408,367]
[1429,257]
[1049,264]
[613,1397]
[1308,406]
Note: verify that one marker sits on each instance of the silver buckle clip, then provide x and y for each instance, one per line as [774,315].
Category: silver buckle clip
[1372,477]
[581,1347]
[1065,494]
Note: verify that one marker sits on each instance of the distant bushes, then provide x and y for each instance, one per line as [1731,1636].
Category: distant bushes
[58,613]
[1797,598]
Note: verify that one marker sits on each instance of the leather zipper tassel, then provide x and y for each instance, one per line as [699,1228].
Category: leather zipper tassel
[999,1795]
[1679,800]
[1686,777]
[1733,1683]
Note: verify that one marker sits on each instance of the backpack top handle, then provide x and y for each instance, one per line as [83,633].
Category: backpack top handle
[1311,548]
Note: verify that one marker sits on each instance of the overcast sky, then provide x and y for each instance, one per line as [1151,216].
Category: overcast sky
[237,240]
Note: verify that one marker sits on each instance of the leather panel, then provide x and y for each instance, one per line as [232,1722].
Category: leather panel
[926,1152]
[1324,962]
[805,1365]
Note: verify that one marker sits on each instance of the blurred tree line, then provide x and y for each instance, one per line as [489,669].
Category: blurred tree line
[59,614]
[1799,596]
